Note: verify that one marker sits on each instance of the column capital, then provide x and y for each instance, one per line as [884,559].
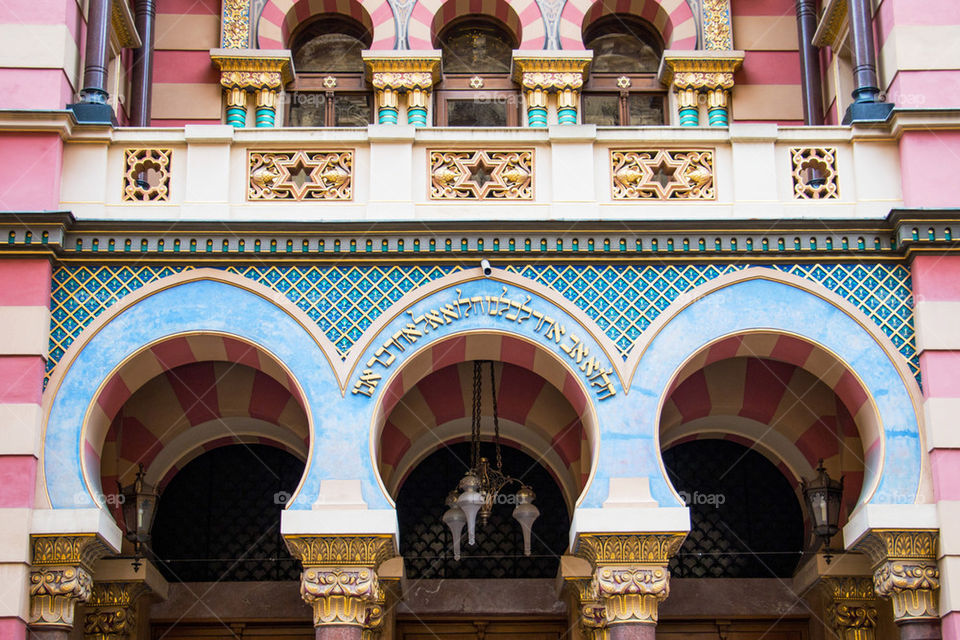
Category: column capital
[905,570]
[402,70]
[253,69]
[112,610]
[852,610]
[339,578]
[628,548]
[61,576]
[547,71]
[699,70]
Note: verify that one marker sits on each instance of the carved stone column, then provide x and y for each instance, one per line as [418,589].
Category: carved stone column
[543,74]
[905,572]
[112,610]
[396,73]
[263,73]
[852,610]
[60,577]
[695,73]
[630,578]
[339,581]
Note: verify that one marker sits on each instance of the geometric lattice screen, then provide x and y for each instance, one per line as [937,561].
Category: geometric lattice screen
[746,521]
[219,518]
[622,299]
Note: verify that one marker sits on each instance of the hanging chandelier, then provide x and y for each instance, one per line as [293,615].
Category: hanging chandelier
[483,484]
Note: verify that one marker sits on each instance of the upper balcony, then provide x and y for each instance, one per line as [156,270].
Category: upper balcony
[399,173]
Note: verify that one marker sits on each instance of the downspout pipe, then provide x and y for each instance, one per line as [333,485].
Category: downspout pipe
[809,63]
[142,81]
[866,106]
[94,106]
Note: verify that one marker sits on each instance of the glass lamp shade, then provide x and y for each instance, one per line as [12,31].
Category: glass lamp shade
[455,519]
[526,513]
[139,508]
[470,502]
[823,496]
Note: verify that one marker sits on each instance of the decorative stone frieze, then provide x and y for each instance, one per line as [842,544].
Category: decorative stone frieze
[695,73]
[61,576]
[852,607]
[543,74]
[235,24]
[339,578]
[630,573]
[263,73]
[905,571]
[409,73]
[300,175]
[662,174]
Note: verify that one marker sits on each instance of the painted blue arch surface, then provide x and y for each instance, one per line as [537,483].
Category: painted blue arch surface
[629,438]
[196,306]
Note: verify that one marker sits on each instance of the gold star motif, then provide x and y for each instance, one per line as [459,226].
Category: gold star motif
[298,171]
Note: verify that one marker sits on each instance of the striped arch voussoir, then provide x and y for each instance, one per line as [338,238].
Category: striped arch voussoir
[280,18]
[673,19]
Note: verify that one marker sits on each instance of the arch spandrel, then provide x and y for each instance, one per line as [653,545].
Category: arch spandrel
[188,304]
[757,300]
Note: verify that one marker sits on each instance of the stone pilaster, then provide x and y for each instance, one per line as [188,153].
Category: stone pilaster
[408,73]
[852,607]
[630,577]
[262,73]
[547,73]
[905,572]
[340,582]
[60,577]
[692,74]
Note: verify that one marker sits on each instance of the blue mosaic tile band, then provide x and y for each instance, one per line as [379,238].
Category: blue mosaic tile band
[622,299]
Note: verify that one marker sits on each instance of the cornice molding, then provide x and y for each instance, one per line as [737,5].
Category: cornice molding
[121,18]
[833,24]
[60,236]
[699,69]
[253,68]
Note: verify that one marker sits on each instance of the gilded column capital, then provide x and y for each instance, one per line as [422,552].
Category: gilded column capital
[628,548]
[630,576]
[700,70]
[905,570]
[61,576]
[852,610]
[339,578]
[400,71]
[550,73]
[590,612]
[253,69]
[112,610]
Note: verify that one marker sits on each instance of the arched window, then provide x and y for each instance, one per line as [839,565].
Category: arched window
[623,88]
[330,89]
[476,90]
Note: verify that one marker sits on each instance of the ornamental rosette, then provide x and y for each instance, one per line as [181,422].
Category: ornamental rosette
[844,616]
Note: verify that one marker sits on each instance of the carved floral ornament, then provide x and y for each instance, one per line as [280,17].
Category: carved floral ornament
[502,174]
[302,175]
[236,24]
[600,549]
[662,174]
[61,576]
[703,71]
[717,34]
[550,74]
[397,80]
[852,610]
[905,571]
[402,73]
[111,610]
[251,70]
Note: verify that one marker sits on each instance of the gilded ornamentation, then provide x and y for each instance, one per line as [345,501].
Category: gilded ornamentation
[814,173]
[476,82]
[339,595]
[701,71]
[111,610]
[632,593]
[122,23]
[591,614]
[60,576]
[662,174]
[852,610]
[252,70]
[482,174]
[330,82]
[624,82]
[647,548]
[717,34]
[55,591]
[341,550]
[236,24]
[398,80]
[905,570]
[549,80]
[300,175]
[376,615]
[146,176]
[832,20]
